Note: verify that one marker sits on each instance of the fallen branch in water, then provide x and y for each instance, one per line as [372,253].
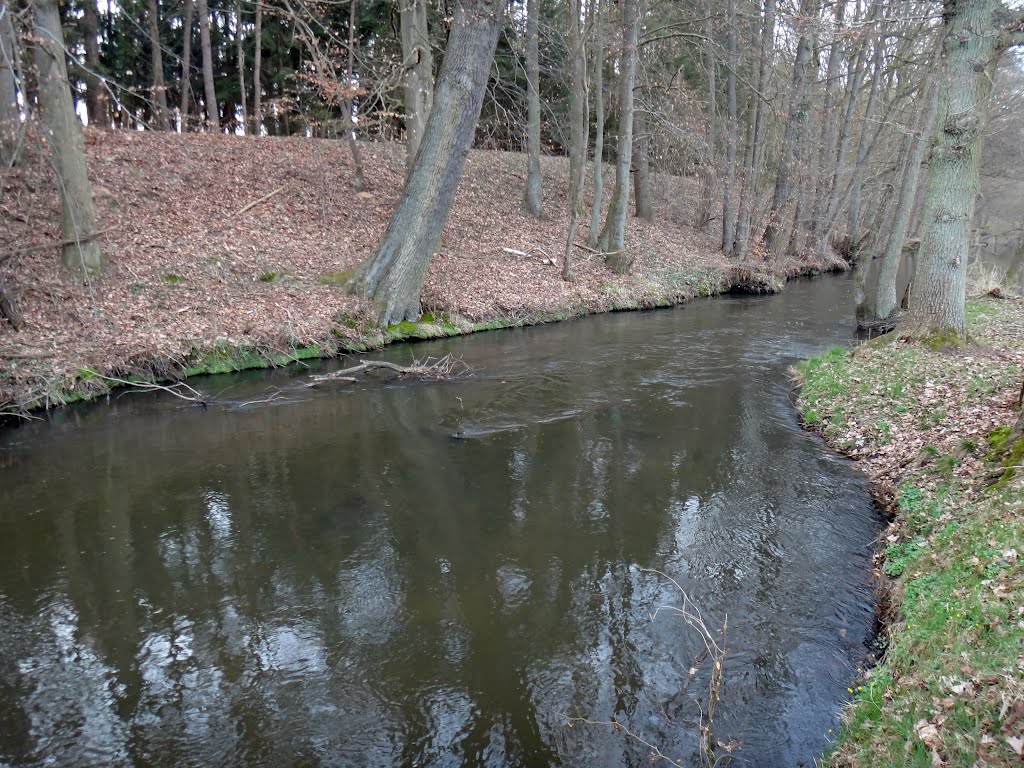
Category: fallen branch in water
[189,395]
[442,368]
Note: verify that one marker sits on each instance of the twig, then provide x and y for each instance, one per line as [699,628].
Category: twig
[514,252]
[11,355]
[588,249]
[149,386]
[254,203]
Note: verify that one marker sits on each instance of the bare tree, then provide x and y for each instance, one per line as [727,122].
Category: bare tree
[161,114]
[731,137]
[95,97]
[240,56]
[257,66]
[579,113]
[613,236]
[598,48]
[81,251]
[209,88]
[533,180]
[393,276]
[186,64]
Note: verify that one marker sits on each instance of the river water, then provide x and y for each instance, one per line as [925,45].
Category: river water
[334,579]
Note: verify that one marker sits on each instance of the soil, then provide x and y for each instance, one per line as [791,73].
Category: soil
[191,272]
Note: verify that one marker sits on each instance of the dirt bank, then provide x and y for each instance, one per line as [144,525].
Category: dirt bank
[195,283]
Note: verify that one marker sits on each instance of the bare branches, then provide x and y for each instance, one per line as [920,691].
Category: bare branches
[429,368]
[179,389]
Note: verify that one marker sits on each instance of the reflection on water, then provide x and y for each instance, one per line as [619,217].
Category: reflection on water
[334,579]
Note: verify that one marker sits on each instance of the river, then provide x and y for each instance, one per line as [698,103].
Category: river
[333,578]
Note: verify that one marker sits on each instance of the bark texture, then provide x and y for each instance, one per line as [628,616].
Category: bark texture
[186,64]
[579,111]
[595,206]
[82,252]
[10,119]
[393,276]
[209,89]
[419,74]
[533,180]
[972,44]
[613,236]
[257,66]
[95,97]
[642,167]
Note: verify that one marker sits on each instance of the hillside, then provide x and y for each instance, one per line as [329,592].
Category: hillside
[191,272]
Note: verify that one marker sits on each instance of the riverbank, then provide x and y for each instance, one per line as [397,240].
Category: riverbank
[927,426]
[226,253]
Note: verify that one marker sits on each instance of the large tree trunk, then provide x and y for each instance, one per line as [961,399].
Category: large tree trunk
[595,206]
[708,168]
[210,90]
[533,180]
[10,117]
[393,276]
[81,253]
[358,179]
[161,114]
[186,65]
[613,236]
[95,97]
[257,65]
[971,47]
[775,235]
[418,63]
[731,136]
[579,113]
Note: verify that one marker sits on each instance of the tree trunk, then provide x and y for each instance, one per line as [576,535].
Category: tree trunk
[533,180]
[186,65]
[708,164]
[579,113]
[971,48]
[595,206]
[641,167]
[161,114]
[210,91]
[10,116]
[775,236]
[853,223]
[613,236]
[731,136]
[418,63]
[240,55]
[82,252]
[358,179]
[95,97]
[257,65]
[885,291]
[755,155]
[829,136]
[393,276]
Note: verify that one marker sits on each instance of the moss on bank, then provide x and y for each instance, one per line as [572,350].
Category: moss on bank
[950,688]
[354,334]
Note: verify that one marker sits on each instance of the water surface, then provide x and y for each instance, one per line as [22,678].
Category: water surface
[333,579]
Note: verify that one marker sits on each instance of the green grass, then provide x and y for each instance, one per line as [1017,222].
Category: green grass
[951,682]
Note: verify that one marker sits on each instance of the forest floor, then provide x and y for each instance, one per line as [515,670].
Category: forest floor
[198,282]
[928,427]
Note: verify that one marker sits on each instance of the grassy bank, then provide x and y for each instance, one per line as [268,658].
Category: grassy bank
[928,428]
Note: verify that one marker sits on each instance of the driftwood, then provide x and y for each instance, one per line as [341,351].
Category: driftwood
[442,368]
[254,203]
